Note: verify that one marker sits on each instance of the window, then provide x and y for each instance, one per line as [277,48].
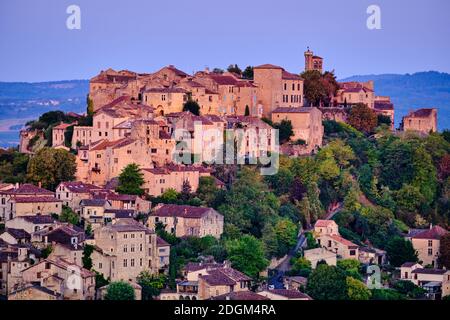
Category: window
[430,252]
[132,262]
[352,252]
[125,248]
[132,248]
[430,243]
[125,263]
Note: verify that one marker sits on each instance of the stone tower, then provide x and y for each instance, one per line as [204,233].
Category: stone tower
[313,62]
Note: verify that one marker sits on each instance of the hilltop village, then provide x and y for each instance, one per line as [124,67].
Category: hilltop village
[136,200]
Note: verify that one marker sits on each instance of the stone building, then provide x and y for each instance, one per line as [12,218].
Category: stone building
[306,124]
[182,220]
[427,243]
[277,88]
[313,62]
[124,249]
[421,120]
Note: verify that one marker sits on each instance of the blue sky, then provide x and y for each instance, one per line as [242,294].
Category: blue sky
[144,35]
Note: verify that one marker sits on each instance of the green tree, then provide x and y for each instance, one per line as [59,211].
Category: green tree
[249,205]
[300,266]
[46,251]
[327,283]
[386,294]
[234,69]
[131,180]
[444,254]
[248,73]
[357,290]
[68,215]
[351,267]
[285,130]
[207,190]
[192,106]
[120,290]
[89,106]
[247,255]
[286,235]
[409,289]
[400,251]
[51,167]
[383,119]
[169,196]
[87,260]
[151,284]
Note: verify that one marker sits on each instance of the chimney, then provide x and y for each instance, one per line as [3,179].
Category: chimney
[40,184]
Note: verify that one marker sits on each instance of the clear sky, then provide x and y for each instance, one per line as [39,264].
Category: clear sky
[144,35]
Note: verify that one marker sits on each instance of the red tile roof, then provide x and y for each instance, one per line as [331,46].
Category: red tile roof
[160,242]
[28,189]
[240,295]
[79,187]
[324,223]
[435,232]
[290,76]
[290,294]
[267,66]
[35,199]
[173,210]
[342,240]
[421,113]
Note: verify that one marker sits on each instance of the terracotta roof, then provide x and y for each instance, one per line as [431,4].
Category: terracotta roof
[28,189]
[429,271]
[408,264]
[104,144]
[63,126]
[421,113]
[18,233]
[324,223]
[121,197]
[166,90]
[290,294]
[39,219]
[93,202]
[435,232]
[290,76]
[383,105]
[342,240]
[121,213]
[267,66]
[223,79]
[79,187]
[292,110]
[35,199]
[240,295]
[160,242]
[217,278]
[173,210]
[178,72]
[164,135]
[245,84]
[195,266]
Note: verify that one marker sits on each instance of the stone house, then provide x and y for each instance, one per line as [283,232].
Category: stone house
[182,220]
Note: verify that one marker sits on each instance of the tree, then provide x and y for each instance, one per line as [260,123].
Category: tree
[300,266]
[247,110]
[384,119]
[192,106]
[89,106]
[327,283]
[247,255]
[46,251]
[234,69]
[186,191]
[284,130]
[444,257]
[286,235]
[68,215]
[386,294]
[249,205]
[151,284]
[87,260]
[120,290]
[207,190]
[363,118]
[357,290]
[169,196]
[50,167]
[248,73]
[351,267]
[409,289]
[400,251]
[130,180]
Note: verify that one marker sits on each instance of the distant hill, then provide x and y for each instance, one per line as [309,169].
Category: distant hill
[412,91]
[21,101]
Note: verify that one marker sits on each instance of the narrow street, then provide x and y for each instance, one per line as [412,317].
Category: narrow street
[276,280]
